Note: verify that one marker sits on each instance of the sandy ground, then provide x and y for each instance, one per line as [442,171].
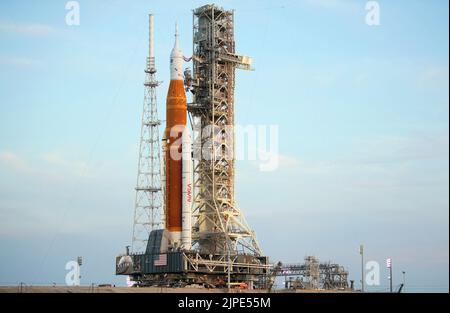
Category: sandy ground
[95,289]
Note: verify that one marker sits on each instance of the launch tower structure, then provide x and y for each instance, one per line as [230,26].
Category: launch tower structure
[216,248]
[205,242]
[219,225]
[148,212]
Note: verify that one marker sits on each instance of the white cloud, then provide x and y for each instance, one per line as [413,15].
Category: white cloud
[18,61]
[55,167]
[272,161]
[14,161]
[436,76]
[325,78]
[401,149]
[72,166]
[35,30]
[287,161]
[333,4]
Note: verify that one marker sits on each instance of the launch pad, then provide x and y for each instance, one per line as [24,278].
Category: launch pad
[186,217]
[183,268]
[188,229]
[164,266]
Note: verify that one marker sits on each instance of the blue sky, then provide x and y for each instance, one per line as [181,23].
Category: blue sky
[362,114]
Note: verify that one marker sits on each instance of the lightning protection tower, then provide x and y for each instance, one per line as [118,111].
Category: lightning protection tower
[148,211]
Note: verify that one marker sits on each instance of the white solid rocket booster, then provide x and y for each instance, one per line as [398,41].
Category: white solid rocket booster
[186,218]
[163,183]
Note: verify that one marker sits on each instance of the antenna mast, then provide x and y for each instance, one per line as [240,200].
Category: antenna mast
[148,211]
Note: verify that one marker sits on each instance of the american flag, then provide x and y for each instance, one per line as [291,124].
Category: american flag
[161,260]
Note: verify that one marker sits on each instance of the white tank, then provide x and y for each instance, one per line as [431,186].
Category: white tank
[163,182]
[186,218]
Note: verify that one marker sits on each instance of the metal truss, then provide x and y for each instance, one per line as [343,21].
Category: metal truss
[313,275]
[148,212]
[220,227]
[221,263]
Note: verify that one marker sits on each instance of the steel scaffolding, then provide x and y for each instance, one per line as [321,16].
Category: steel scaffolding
[220,227]
[312,274]
[148,212]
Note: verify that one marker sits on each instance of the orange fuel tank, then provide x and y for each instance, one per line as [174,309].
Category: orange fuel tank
[175,122]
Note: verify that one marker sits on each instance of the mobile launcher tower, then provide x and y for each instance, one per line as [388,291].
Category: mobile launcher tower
[187,219]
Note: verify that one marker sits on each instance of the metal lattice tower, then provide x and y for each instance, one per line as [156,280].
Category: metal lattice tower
[148,212]
[220,227]
[313,274]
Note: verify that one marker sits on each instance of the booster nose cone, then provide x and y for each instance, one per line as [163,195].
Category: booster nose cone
[176,59]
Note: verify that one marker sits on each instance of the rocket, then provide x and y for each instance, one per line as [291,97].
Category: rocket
[176,150]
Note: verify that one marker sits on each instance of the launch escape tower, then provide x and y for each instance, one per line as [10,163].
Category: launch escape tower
[148,211]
